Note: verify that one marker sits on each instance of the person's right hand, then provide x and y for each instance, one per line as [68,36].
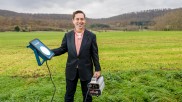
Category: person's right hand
[97,74]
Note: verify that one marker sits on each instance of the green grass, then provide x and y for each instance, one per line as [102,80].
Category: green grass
[137,67]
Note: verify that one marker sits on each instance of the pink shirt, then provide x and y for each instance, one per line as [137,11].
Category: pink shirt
[78,41]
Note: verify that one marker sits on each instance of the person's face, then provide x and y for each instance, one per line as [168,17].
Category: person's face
[79,21]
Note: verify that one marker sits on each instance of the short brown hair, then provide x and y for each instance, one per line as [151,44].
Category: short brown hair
[76,12]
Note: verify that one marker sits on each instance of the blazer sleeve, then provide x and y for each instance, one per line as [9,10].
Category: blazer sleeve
[95,56]
[62,49]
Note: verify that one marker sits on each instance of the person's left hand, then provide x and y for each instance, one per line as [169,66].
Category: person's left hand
[97,74]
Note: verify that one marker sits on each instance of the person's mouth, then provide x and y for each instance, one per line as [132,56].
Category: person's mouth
[79,25]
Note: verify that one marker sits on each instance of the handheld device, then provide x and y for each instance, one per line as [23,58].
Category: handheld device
[96,86]
[40,51]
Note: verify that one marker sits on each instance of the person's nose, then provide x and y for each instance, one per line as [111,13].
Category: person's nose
[79,20]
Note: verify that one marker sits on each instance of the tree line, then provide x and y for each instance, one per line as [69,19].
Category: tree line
[157,19]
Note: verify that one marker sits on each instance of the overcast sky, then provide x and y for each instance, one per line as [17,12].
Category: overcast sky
[92,8]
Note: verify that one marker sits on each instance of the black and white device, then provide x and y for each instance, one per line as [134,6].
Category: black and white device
[96,86]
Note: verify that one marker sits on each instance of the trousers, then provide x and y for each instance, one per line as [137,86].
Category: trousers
[71,89]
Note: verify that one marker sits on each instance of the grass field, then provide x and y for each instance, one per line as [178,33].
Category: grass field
[137,67]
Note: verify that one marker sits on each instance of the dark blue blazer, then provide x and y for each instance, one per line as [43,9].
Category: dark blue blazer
[84,61]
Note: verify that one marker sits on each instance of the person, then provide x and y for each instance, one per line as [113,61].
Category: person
[83,60]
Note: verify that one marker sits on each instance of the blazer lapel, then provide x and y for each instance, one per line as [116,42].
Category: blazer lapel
[73,42]
[84,41]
